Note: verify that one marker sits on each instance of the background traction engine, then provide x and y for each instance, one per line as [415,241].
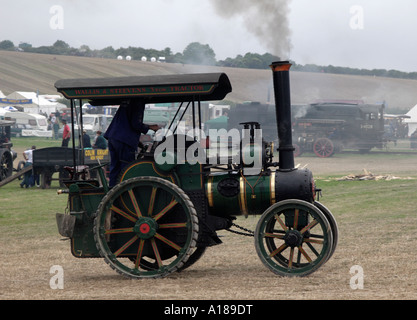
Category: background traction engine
[161,217]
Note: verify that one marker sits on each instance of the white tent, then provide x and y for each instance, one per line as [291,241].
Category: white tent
[412,122]
[34,103]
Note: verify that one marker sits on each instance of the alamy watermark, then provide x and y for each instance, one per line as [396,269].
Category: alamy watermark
[57,280]
[357,279]
[222,147]
[57,20]
[357,20]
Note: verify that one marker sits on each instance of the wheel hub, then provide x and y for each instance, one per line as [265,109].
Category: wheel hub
[145,228]
[293,238]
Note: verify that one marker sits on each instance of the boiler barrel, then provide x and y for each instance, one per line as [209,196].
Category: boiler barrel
[234,194]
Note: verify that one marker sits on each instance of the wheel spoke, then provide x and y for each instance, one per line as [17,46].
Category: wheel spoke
[304,253]
[273,235]
[309,240]
[310,226]
[296,215]
[168,242]
[319,236]
[172,225]
[152,201]
[156,252]
[123,214]
[291,258]
[119,231]
[126,245]
[171,205]
[278,250]
[135,203]
[281,222]
[299,257]
[139,255]
[313,249]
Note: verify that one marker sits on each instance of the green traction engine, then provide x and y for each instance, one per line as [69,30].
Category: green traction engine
[166,209]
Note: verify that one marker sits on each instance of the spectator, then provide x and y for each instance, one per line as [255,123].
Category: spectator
[29,179]
[86,140]
[100,142]
[55,126]
[66,136]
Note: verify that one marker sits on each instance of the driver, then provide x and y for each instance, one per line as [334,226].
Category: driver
[123,136]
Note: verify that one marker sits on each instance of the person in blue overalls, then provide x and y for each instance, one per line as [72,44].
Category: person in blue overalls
[123,136]
[29,178]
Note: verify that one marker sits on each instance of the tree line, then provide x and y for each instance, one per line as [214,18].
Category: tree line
[200,54]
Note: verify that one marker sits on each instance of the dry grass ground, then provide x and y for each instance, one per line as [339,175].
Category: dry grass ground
[377,222]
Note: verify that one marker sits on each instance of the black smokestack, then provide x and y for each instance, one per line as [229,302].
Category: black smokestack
[281,76]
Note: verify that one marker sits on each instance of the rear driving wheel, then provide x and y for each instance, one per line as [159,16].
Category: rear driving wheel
[333,225]
[293,238]
[146,227]
[323,148]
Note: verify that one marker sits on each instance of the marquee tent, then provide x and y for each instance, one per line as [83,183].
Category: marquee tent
[31,102]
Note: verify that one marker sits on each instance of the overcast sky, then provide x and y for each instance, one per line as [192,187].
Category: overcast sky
[350,33]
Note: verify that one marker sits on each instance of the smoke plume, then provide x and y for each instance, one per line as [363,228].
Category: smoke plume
[266,19]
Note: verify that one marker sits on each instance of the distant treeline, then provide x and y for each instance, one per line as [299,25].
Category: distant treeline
[358,72]
[200,54]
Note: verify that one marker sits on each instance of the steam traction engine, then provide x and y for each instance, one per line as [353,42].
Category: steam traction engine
[162,216]
[329,126]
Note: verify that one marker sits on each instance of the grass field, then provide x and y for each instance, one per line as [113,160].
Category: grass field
[22,71]
[23,143]
[377,223]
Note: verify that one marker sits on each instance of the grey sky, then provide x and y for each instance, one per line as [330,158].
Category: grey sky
[320,30]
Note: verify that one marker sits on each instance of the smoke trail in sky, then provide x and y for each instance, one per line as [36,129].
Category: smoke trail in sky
[266,19]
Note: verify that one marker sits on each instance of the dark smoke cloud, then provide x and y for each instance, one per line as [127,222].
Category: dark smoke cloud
[266,19]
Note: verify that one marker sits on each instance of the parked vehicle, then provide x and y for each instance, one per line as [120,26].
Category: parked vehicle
[47,161]
[16,129]
[35,121]
[95,122]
